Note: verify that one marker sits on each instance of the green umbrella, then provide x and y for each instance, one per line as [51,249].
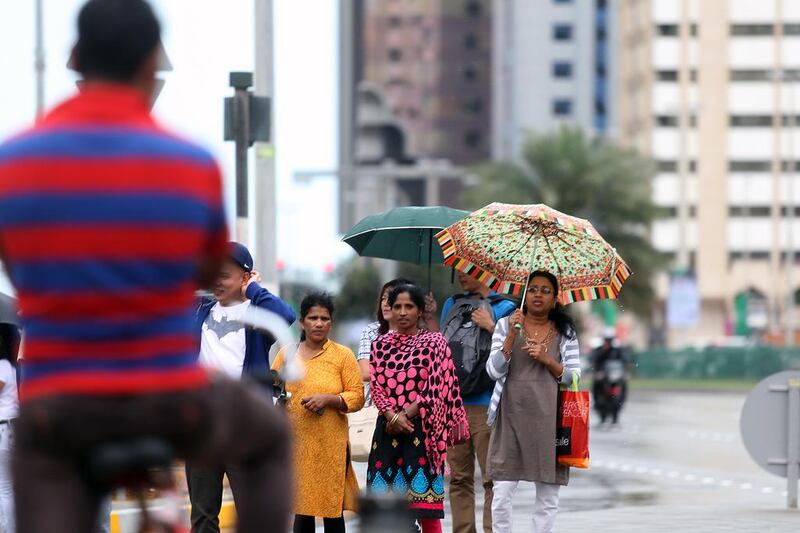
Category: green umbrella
[404,234]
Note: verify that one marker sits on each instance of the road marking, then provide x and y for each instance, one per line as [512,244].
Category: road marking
[626,468]
[656,471]
[673,474]
[708,480]
[766,490]
[689,477]
[726,482]
[746,486]
[641,470]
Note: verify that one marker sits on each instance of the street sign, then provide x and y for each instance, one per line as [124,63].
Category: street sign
[770,426]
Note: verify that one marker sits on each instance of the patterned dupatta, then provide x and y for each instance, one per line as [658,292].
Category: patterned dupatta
[409,368]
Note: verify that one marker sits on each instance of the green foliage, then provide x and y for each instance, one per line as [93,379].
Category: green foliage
[589,178]
[358,296]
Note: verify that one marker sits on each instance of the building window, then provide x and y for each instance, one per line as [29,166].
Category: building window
[667,75]
[749,166]
[473,105]
[765,74]
[562,69]
[751,121]
[667,30]
[472,138]
[562,32]
[470,41]
[751,75]
[667,166]
[673,75]
[673,30]
[667,121]
[470,73]
[395,54]
[752,29]
[791,29]
[749,211]
[473,9]
[562,107]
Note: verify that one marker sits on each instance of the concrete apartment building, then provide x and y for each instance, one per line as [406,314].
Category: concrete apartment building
[551,62]
[415,101]
[708,88]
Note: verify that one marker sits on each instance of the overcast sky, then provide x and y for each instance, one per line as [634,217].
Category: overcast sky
[205,40]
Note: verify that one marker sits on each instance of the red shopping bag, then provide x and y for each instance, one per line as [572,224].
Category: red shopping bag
[572,432]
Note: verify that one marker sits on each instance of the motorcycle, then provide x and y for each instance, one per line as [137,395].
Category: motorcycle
[610,388]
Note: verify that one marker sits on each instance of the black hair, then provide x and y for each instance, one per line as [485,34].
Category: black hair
[564,323]
[384,324]
[414,292]
[114,38]
[9,342]
[315,299]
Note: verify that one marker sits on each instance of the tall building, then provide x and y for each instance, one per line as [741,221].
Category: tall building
[427,62]
[551,66]
[708,88]
[431,61]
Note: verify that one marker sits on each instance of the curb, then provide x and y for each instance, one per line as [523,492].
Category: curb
[127,520]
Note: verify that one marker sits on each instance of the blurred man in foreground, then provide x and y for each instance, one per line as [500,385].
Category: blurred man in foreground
[108,225]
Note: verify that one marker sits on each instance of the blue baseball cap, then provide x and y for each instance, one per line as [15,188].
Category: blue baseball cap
[240,255]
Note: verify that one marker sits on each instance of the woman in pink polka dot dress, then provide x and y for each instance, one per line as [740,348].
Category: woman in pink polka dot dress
[415,388]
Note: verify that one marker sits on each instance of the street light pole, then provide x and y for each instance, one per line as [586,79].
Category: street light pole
[264,184]
[39,64]
[790,206]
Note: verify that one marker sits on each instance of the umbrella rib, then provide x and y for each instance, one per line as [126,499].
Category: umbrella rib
[519,250]
[553,254]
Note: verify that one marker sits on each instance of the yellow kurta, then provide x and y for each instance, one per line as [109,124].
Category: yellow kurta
[326,483]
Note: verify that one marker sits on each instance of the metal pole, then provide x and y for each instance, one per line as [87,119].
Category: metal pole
[789,265]
[793,450]
[39,64]
[264,185]
[241,117]
[348,205]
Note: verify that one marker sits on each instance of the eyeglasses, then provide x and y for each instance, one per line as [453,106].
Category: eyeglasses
[540,290]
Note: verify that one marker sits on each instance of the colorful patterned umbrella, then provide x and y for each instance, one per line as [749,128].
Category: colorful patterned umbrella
[501,244]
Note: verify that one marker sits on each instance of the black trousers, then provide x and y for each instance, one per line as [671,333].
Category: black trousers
[205,495]
[305,524]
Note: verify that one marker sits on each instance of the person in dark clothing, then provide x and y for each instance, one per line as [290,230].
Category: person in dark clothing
[609,397]
[229,348]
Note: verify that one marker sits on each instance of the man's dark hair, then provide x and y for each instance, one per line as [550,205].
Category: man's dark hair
[114,38]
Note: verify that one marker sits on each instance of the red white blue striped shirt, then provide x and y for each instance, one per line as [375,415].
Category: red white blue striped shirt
[105,220]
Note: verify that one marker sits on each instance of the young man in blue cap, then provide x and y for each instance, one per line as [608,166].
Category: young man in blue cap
[229,348]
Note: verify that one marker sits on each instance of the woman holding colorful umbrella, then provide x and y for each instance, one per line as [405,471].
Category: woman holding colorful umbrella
[533,350]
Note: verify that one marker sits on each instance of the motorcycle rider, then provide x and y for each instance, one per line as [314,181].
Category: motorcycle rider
[602,392]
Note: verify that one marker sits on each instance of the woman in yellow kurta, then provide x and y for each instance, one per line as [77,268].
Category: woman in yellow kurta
[330,388]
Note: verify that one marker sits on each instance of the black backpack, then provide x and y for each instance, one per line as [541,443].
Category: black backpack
[469,344]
